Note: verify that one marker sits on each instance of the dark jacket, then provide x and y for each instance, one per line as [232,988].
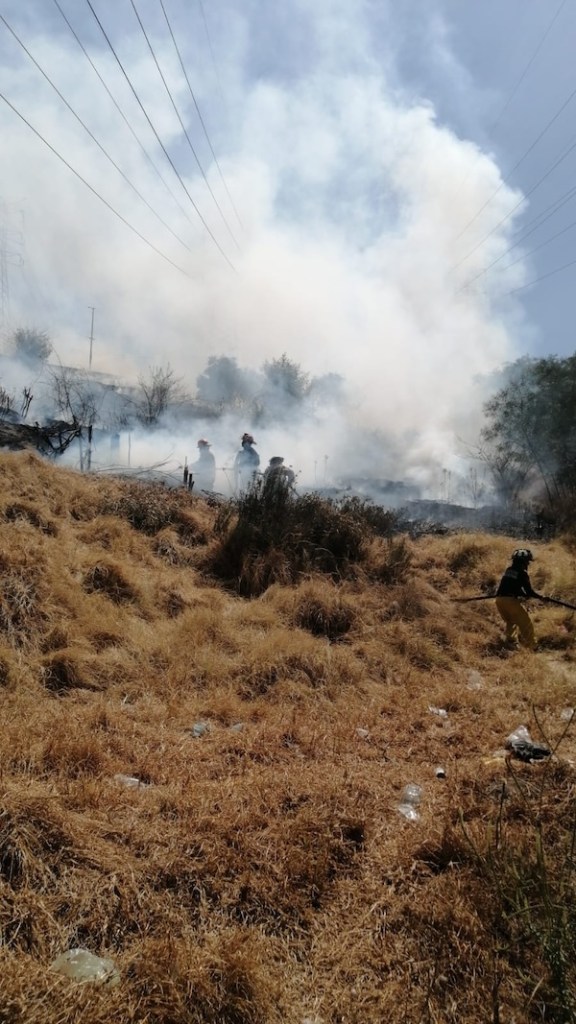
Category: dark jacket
[515,583]
[247,459]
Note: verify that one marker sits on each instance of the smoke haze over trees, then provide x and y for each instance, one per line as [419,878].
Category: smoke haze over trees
[31,345]
[531,429]
[352,191]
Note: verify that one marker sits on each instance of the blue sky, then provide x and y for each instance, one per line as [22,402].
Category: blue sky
[357,215]
[508,80]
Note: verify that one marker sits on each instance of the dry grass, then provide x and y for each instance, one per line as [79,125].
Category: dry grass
[261,872]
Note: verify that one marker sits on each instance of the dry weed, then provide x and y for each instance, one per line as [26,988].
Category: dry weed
[257,869]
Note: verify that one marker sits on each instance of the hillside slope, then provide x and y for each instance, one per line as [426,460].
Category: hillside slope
[204,787]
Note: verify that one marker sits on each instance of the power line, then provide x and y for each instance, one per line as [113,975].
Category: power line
[522,238]
[121,112]
[507,177]
[543,277]
[91,134]
[518,204]
[544,215]
[542,133]
[182,125]
[523,255]
[92,189]
[212,55]
[184,72]
[535,53]
[158,139]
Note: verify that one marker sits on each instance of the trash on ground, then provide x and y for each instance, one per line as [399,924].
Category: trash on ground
[440,772]
[130,781]
[523,747]
[363,734]
[474,680]
[441,712]
[199,729]
[409,801]
[81,965]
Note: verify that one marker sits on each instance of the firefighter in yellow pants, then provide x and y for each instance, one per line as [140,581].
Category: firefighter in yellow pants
[514,585]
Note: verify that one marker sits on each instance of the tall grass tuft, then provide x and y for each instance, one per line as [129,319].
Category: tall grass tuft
[270,534]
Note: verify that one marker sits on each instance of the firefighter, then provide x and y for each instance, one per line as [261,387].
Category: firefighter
[246,463]
[515,585]
[276,473]
[204,469]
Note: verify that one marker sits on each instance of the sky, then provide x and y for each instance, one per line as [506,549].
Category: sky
[359,184]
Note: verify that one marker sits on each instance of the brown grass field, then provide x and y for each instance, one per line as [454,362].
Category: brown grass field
[261,871]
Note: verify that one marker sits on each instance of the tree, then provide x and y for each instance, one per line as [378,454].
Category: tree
[31,345]
[158,390]
[224,383]
[286,380]
[327,389]
[74,396]
[531,428]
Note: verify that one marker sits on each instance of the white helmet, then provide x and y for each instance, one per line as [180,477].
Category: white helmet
[522,555]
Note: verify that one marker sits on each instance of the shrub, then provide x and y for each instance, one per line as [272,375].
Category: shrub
[270,535]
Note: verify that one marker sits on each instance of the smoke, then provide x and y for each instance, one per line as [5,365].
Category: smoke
[349,198]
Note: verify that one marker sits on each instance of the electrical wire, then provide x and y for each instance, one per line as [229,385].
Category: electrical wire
[212,55]
[523,255]
[533,225]
[531,60]
[543,277]
[158,139]
[181,122]
[507,177]
[91,188]
[544,215]
[538,221]
[120,111]
[520,202]
[184,72]
[91,134]
[541,134]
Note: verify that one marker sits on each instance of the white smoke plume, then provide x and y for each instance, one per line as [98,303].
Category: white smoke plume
[351,196]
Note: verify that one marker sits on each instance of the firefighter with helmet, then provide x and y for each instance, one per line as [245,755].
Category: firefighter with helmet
[204,469]
[515,586]
[246,463]
[277,474]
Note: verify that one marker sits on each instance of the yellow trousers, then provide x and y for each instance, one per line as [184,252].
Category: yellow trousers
[518,622]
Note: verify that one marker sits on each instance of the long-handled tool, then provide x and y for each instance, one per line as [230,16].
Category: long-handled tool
[540,597]
[553,600]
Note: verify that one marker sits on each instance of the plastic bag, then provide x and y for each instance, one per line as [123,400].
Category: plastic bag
[81,965]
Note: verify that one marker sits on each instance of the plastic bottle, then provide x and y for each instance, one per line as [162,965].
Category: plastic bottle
[409,801]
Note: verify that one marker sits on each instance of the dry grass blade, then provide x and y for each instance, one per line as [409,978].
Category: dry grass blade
[209,716]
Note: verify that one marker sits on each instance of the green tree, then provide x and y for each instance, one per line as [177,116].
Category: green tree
[224,383]
[531,425]
[286,380]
